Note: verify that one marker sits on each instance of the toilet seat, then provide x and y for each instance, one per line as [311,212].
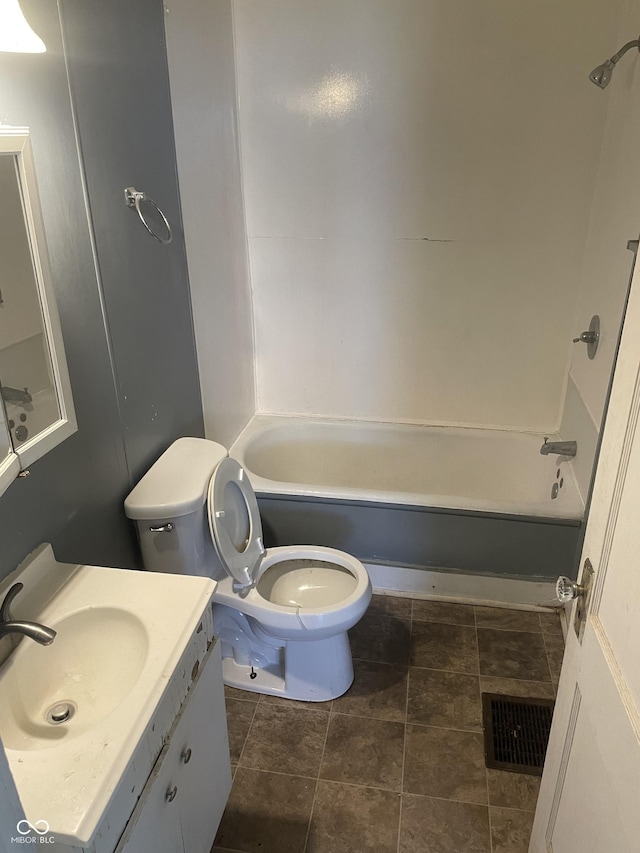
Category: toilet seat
[290,590]
[291,621]
[234,521]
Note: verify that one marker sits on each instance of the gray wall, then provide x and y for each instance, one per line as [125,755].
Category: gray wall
[120,86]
[135,387]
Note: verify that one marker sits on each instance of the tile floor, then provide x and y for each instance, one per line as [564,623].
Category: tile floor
[396,765]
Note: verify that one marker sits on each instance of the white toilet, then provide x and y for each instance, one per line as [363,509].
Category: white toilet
[281,614]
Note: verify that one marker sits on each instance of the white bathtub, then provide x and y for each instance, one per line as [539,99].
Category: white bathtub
[486,471]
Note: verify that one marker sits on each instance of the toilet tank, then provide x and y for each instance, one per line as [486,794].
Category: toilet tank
[169,506]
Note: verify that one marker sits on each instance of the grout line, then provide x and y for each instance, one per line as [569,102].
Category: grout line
[410,665]
[353,784]
[312,707]
[546,654]
[357,785]
[515,809]
[462,802]
[443,622]
[380,662]
[371,717]
[480,627]
[242,699]
[281,773]
[507,630]
[405,664]
[446,728]
[315,793]
[404,741]
[253,716]
[486,775]
[459,672]
[313,806]
[547,649]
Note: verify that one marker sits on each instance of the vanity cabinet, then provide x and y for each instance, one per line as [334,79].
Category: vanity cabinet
[183,800]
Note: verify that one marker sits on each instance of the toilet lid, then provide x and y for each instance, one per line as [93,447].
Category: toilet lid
[234,521]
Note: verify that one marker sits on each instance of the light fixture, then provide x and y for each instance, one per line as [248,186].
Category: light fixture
[16,36]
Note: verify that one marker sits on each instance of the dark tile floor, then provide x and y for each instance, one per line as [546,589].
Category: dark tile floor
[396,765]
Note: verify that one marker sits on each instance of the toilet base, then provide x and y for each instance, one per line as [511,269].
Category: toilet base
[309,671]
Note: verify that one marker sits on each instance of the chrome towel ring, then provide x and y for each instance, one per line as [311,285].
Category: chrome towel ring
[133,197]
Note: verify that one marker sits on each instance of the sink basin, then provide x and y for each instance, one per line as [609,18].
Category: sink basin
[84,719]
[56,692]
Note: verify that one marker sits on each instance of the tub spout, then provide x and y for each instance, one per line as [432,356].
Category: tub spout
[15,395]
[562,448]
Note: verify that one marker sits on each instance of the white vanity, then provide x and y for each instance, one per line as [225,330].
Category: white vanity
[116,733]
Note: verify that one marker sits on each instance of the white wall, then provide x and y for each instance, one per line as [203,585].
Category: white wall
[417,178]
[615,219]
[200,52]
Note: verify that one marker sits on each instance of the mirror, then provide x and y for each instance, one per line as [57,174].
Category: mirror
[35,395]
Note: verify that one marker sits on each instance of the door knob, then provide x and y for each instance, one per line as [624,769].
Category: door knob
[567,590]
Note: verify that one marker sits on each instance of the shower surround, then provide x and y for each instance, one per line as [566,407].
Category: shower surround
[417,201]
[400,239]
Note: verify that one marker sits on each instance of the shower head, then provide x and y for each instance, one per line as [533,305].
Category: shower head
[601,75]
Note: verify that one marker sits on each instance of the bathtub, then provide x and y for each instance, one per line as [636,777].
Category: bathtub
[471,500]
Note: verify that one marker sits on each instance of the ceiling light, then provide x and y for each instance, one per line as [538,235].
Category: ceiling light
[16,36]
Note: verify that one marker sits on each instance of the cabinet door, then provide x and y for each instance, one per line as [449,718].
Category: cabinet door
[205,780]
[154,824]
[182,803]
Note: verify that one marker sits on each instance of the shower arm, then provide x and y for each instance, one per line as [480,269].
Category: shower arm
[625,47]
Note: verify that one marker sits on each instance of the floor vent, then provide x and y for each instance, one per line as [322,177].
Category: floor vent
[516,732]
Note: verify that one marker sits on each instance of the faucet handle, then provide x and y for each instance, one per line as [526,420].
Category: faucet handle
[591,337]
[5,608]
[588,337]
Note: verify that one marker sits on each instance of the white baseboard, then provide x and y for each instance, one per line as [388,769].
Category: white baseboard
[462,588]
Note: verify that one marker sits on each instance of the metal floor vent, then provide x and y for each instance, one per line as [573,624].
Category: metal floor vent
[516,732]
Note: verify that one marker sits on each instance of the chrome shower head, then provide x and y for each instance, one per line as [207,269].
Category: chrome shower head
[601,75]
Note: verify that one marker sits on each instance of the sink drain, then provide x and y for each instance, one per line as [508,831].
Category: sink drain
[61,712]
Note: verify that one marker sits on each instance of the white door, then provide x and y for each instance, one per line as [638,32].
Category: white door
[590,794]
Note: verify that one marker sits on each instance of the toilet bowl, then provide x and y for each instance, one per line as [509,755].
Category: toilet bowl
[280,614]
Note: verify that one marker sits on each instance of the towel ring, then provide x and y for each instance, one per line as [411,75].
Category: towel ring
[133,197]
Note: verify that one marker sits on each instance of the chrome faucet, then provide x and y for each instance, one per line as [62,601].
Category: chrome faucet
[562,448]
[8,625]
[15,395]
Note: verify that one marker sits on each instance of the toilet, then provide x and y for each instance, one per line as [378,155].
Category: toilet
[280,614]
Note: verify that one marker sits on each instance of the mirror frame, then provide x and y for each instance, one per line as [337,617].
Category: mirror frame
[15,141]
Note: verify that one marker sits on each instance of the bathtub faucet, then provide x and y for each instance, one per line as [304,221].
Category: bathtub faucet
[15,395]
[562,448]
